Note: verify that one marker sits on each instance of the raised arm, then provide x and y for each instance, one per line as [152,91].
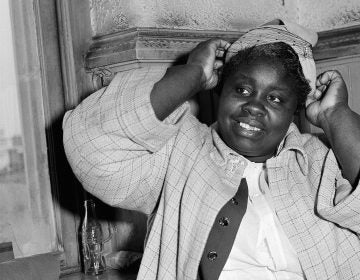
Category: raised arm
[329,109]
[199,73]
[116,140]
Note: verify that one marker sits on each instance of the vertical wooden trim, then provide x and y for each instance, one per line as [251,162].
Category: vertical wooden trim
[54,107]
[75,38]
[67,55]
[74,35]
[53,99]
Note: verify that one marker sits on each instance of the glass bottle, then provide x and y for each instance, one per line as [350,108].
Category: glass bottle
[92,241]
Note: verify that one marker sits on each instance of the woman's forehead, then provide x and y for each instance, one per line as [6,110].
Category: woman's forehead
[258,68]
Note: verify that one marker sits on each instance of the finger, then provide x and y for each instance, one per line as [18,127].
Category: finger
[321,88]
[218,64]
[318,93]
[213,81]
[313,96]
[219,53]
[322,79]
[219,44]
[327,77]
[222,44]
[310,99]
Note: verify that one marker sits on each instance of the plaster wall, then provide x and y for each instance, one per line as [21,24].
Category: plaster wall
[109,16]
[329,14]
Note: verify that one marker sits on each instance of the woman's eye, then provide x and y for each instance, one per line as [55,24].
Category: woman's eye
[274,99]
[243,91]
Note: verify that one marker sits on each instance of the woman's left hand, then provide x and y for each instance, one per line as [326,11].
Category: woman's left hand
[330,94]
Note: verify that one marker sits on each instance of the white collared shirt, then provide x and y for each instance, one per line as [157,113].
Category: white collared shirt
[261,249]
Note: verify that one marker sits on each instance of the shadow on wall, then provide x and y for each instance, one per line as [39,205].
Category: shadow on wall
[70,195]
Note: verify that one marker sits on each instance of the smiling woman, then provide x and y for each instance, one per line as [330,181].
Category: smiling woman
[261,89]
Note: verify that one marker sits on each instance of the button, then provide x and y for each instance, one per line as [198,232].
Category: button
[212,255]
[234,201]
[224,221]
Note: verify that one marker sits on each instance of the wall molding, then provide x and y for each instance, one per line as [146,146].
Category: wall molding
[131,48]
[137,46]
[148,44]
[338,43]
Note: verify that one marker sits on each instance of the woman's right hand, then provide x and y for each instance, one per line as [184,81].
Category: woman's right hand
[209,56]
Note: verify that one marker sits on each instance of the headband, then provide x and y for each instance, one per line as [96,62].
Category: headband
[299,38]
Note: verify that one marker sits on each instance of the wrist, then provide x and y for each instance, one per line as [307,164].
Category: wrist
[192,75]
[333,115]
[197,70]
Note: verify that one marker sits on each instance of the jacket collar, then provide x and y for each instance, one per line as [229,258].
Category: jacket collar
[293,141]
[222,153]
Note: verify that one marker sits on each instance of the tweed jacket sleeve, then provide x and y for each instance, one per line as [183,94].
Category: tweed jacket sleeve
[116,146]
[337,200]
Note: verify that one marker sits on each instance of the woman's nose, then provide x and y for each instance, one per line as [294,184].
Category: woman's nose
[254,107]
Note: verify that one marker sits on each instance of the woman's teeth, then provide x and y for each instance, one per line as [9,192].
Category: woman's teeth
[249,127]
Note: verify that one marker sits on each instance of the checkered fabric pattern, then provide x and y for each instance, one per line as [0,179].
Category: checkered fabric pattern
[181,173]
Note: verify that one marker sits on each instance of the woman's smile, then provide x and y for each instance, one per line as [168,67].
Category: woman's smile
[248,129]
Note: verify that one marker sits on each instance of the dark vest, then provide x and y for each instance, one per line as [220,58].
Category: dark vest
[222,234]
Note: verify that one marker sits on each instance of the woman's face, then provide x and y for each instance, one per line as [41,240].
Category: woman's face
[256,107]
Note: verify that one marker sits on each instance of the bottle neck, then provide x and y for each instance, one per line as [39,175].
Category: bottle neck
[90,213]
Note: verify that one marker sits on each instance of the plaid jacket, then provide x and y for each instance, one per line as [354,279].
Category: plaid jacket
[181,173]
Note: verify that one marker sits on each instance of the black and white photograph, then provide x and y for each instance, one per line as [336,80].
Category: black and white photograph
[180,140]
